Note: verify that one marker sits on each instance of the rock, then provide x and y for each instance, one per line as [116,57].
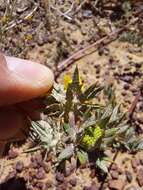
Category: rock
[67,172]
[59,177]
[87,14]
[92,187]
[38,158]
[127,78]
[116,184]
[22,6]
[41,174]
[140,177]
[135,163]
[49,183]
[131,188]
[138,65]
[126,86]
[46,167]
[19,166]
[93,173]
[11,175]
[141,161]
[37,161]
[73,182]
[63,186]
[129,176]
[12,154]
[114,167]
[114,174]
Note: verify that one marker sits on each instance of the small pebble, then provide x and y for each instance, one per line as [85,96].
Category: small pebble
[87,14]
[131,188]
[12,154]
[138,65]
[116,184]
[93,173]
[135,163]
[140,177]
[49,183]
[129,176]
[141,161]
[41,174]
[19,166]
[126,86]
[67,172]
[73,182]
[114,167]
[114,174]
[126,78]
[59,177]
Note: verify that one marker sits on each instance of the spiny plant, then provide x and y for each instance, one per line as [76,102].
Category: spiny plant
[78,124]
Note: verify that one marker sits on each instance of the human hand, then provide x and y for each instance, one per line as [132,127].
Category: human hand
[21,82]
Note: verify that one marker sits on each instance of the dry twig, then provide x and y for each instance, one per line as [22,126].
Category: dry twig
[17,22]
[133,105]
[91,48]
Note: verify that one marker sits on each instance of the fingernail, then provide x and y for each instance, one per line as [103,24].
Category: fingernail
[34,73]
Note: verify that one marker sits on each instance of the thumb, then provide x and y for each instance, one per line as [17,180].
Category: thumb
[22,80]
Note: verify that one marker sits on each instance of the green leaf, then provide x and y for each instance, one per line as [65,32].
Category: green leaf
[69,103]
[111,132]
[75,79]
[108,141]
[114,117]
[101,164]
[58,93]
[82,157]
[122,129]
[66,153]
[53,108]
[50,100]
[70,131]
[76,83]
[103,121]
[91,92]
[88,123]
[109,92]
[107,112]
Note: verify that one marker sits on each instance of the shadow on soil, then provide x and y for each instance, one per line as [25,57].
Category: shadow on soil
[14,184]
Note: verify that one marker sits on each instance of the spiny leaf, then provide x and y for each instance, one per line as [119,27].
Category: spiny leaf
[122,129]
[69,102]
[108,141]
[101,164]
[82,157]
[109,92]
[103,121]
[111,132]
[66,153]
[91,92]
[50,100]
[114,116]
[53,108]
[70,131]
[75,79]
[77,84]
[107,112]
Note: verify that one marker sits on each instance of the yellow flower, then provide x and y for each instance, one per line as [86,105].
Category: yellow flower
[5,19]
[29,17]
[68,80]
[28,37]
[92,135]
[81,83]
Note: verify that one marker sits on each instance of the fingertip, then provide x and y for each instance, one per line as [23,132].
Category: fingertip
[24,80]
